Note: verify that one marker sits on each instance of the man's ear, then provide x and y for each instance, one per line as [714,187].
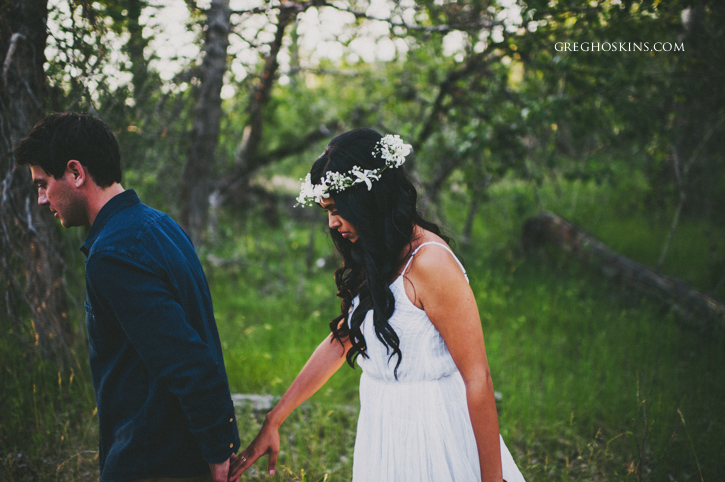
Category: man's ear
[77,171]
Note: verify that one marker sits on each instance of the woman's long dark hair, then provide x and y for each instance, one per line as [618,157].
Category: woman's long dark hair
[384,218]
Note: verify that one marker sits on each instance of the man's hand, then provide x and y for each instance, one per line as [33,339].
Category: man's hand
[220,471]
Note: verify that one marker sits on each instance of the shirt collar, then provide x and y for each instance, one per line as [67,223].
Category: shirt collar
[114,205]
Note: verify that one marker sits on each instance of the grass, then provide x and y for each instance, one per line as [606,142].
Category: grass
[597,382]
[316,442]
[48,425]
[594,382]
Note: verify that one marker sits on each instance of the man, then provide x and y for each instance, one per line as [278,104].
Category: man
[164,408]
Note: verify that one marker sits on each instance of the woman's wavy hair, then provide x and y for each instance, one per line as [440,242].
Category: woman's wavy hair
[384,218]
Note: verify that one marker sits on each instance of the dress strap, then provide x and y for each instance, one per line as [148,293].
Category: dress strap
[441,245]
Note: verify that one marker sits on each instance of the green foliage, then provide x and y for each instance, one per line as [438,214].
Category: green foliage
[48,429]
[508,102]
[605,369]
[316,442]
[654,112]
[597,383]
[585,368]
[286,275]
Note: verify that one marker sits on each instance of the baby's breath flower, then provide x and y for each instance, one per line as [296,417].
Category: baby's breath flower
[390,148]
[393,150]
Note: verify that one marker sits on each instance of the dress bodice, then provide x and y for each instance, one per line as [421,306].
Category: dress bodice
[425,354]
[416,428]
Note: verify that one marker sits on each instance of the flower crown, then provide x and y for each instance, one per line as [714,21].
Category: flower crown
[391,148]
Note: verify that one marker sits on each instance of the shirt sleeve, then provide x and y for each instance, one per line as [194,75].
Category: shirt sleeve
[145,304]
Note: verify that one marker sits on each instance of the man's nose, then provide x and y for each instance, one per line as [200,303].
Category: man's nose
[42,198]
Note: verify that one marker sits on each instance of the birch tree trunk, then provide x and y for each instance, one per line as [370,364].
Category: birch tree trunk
[34,294]
[205,130]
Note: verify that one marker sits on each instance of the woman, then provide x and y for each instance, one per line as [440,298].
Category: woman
[409,319]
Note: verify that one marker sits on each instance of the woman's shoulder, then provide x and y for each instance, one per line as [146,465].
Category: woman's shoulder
[433,270]
[431,253]
[422,237]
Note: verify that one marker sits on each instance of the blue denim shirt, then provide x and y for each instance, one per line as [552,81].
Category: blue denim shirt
[164,407]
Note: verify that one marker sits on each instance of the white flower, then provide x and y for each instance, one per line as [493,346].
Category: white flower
[364,176]
[391,149]
[320,192]
[336,180]
[311,192]
[306,190]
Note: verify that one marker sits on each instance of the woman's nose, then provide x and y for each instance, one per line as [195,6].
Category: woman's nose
[332,221]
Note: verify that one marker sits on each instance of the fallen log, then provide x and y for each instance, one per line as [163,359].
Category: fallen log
[695,307]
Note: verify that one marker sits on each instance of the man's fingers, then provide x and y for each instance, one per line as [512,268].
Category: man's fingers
[236,463]
[219,472]
[239,465]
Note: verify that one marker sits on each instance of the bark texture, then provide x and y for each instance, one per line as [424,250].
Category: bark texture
[34,294]
[695,307]
[205,130]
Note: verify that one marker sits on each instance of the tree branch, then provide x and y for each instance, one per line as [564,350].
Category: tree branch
[239,176]
[246,159]
[9,56]
[699,309]
[483,24]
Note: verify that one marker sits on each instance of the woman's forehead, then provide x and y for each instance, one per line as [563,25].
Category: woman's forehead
[327,202]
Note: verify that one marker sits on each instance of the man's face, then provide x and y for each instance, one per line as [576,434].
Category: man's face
[61,196]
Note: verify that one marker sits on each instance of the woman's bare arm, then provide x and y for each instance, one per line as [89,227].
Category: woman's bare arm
[441,289]
[327,358]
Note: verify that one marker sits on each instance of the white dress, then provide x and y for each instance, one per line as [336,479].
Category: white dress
[415,428]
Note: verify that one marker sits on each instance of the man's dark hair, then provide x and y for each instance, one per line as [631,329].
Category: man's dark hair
[59,138]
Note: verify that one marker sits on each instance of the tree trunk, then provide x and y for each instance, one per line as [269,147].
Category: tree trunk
[35,297]
[205,130]
[248,157]
[692,305]
[477,193]
[135,48]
